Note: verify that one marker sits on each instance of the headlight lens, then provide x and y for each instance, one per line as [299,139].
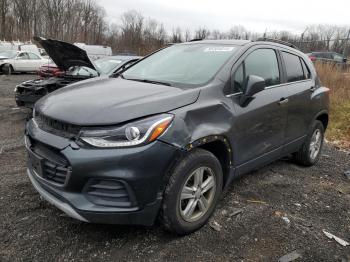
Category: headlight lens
[133,134]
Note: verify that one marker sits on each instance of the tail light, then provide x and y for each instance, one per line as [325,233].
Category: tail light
[56,72]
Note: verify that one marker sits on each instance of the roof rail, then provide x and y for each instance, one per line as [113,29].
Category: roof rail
[196,39]
[276,41]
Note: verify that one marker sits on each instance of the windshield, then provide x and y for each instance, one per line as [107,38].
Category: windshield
[8,54]
[192,64]
[107,66]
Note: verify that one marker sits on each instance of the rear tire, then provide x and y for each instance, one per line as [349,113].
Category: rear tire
[192,192]
[310,151]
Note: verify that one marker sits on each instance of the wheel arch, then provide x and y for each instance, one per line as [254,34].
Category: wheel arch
[220,147]
[323,117]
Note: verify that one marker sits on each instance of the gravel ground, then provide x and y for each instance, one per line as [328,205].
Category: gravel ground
[279,209]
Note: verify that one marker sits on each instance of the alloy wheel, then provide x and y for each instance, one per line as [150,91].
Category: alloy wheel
[315,144]
[197,194]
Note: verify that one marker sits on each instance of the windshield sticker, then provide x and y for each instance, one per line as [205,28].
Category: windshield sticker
[219,49]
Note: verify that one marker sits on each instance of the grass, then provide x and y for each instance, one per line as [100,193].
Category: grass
[338,81]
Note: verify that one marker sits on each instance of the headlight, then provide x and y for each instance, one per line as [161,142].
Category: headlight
[133,134]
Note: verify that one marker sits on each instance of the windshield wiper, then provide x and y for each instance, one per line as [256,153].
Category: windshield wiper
[149,81]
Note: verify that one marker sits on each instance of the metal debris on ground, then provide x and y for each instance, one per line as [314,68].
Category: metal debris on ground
[339,240]
[290,256]
[215,225]
[286,219]
[236,211]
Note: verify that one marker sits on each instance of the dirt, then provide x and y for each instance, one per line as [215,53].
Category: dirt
[276,210]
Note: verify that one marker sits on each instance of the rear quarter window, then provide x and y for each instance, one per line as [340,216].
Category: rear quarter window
[293,66]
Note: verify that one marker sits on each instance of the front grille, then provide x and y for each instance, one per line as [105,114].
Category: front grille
[55,173]
[109,193]
[56,127]
[55,167]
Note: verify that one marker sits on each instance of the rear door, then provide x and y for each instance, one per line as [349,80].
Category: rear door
[299,87]
[259,126]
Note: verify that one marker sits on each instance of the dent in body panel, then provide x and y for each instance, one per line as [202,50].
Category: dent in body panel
[204,122]
[194,123]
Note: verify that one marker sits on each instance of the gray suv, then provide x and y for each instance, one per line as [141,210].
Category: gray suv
[166,137]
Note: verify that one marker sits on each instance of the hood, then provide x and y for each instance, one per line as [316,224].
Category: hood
[65,55]
[108,101]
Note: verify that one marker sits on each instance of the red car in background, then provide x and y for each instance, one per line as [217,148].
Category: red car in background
[50,70]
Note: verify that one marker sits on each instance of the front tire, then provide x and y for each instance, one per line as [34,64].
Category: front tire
[192,192]
[7,69]
[310,151]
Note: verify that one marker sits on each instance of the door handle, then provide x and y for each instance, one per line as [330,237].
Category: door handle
[283,101]
[312,89]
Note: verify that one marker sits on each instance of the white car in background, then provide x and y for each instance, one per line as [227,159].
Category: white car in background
[20,61]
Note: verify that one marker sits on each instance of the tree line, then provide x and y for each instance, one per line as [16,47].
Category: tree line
[85,21]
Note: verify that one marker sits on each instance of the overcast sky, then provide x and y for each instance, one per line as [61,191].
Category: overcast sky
[272,15]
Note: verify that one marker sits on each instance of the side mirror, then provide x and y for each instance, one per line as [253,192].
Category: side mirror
[254,84]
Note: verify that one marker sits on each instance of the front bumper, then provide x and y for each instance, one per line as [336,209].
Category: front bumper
[142,169]
[26,100]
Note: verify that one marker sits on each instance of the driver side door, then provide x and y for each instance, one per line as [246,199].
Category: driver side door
[259,126]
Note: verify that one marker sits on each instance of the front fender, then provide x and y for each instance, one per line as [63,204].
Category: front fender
[193,123]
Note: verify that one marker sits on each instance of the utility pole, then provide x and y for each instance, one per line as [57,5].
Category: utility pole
[301,43]
[345,45]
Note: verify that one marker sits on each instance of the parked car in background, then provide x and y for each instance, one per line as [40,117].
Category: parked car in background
[50,70]
[6,46]
[20,61]
[29,47]
[167,136]
[327,57]
[69,64]
[95,51]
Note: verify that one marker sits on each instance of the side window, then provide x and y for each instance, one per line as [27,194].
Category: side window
[338,58]
[307,74]
[293,67]
[261,62]
[33,56]
[23,56]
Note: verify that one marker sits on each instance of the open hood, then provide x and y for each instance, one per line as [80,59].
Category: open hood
[65,54]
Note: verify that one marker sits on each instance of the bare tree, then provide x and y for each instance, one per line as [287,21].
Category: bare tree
[201,33]
[84,21]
